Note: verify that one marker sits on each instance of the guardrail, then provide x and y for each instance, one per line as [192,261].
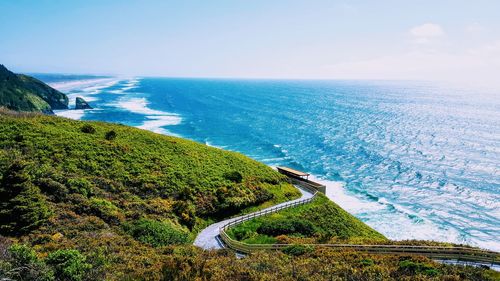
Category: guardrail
[435,252]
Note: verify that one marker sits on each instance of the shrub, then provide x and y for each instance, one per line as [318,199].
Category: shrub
[105,210]
[68,264]
[157,233]
[22,255]
[88,129]
[111,135]
[412,267]
[52,187]
[297,250]
[19,138]
[25,264]
[186,211]
[234,176]
[277,227]
[241,233]
[366,262]
[81,186]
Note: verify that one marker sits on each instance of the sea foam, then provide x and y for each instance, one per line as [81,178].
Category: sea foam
[86,89]
[156,120]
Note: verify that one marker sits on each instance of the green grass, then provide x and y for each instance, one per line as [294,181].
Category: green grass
[329,222]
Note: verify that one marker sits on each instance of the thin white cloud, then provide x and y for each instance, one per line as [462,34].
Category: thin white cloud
[425,33]
[479,65]
[427,30]
[474,28]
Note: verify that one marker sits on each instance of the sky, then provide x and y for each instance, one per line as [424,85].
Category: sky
[450,40]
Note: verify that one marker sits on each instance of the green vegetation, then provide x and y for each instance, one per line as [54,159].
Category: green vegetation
[25,93]
[320,221]
[76,204]
[20,262]
[157,233]
[117,194]
[22,206]
[68,264]
[306,264]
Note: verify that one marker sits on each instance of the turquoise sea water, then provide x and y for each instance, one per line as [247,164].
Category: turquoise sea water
[414,160]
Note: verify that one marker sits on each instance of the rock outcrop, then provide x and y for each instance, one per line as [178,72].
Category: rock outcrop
[80,103]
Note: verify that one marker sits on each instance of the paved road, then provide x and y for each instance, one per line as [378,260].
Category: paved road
[208,238]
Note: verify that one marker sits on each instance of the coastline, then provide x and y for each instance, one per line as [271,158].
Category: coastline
[414,226]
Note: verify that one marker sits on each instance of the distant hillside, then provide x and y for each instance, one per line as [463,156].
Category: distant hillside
[24,93]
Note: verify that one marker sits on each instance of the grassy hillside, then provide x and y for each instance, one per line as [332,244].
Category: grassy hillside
[320,221]
[25,93]
[91,185]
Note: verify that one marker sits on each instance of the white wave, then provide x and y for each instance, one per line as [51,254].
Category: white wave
[96,88]
[157,122]
[129,85]
[81,84]
[394,221]
[140,106]
[156,119]
[208,143]
[336,191]
[75,114]
[86,89]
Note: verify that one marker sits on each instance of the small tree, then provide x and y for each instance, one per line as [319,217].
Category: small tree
[22,206]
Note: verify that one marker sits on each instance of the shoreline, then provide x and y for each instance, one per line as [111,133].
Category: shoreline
[355,204]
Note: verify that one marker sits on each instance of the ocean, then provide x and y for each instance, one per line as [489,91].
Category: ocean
[414,160]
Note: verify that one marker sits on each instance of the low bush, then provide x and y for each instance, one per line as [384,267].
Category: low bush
[320,221]
[410,267]
[52,188]
[234,176]
[68,264]
[275,227]
[80,186]
[157,233]
[297,250]
[22,255]
[110,135]
[23,264]
[106,210]
[88,129]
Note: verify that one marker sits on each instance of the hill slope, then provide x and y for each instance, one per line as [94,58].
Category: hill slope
[25,93]
[132,169]
[321,221]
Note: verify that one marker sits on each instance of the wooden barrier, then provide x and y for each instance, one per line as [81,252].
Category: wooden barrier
[435,252]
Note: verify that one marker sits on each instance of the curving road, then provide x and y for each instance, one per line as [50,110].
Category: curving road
[208,238]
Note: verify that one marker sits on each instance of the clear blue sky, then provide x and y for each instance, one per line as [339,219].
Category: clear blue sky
[395,39]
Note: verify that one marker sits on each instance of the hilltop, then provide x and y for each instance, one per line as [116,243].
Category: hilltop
[25,93]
